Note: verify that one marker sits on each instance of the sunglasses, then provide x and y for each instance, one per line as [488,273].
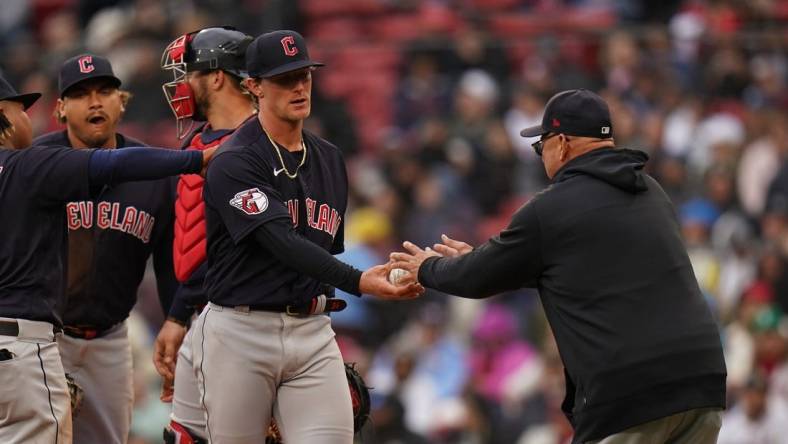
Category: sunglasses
[538,146]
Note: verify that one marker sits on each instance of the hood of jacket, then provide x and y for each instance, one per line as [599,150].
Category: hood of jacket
[620,167]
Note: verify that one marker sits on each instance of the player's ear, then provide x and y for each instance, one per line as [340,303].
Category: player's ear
[60,111]
[253,86]
[218,79]
[563,147]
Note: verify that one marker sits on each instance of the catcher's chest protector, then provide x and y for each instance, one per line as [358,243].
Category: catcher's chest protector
[189,249]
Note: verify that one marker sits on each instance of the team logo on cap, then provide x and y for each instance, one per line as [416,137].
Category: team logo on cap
[288,43]
[605,130]
[86,64]
[251,201]
[556,122]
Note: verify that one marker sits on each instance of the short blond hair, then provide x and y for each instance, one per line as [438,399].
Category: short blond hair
[125,96]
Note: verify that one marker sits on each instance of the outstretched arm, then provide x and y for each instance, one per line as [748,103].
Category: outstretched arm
[508,261]
[279,237]
[107,167]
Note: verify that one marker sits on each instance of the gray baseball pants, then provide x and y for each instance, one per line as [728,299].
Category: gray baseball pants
[255,364]
[697,426]
[35,407]
[187,408]
[103,368]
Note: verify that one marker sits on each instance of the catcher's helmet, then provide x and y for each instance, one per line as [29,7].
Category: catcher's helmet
[221,47]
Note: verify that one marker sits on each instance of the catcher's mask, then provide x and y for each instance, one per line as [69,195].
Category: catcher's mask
[204,50]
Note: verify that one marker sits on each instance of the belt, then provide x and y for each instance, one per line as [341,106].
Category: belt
[85,332]
[317,305]
[9,328]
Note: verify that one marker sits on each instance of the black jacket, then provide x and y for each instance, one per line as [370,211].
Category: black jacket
[602,245]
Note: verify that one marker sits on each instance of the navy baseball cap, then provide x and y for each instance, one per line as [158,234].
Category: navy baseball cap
[7,92]
[277,52]
[84,67]
[576,112]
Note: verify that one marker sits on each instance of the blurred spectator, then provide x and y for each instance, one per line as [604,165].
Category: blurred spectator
[423,92]
[472,50]
[757,419]
[760,163]
[474,106]
[697,217]
[505,371]
[429,376]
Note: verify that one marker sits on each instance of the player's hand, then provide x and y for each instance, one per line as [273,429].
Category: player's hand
[165,348]
[375,281]
[207,155]
[451,247]
[167,389]
[412,260]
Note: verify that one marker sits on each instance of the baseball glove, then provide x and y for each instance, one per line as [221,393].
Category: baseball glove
[274,436]
[76,393]
[359,394]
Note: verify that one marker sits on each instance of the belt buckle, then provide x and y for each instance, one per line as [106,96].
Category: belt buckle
[82,333]
[291,313]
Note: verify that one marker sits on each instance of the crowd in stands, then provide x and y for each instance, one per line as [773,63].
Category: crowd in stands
[426,99]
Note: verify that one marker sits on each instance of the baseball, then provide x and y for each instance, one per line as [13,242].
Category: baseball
[397,275]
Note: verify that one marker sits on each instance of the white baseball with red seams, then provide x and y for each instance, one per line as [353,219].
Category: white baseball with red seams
[398,275]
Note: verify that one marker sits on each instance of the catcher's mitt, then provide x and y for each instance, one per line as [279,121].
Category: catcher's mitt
[274,436]
[359,394]
[76,393]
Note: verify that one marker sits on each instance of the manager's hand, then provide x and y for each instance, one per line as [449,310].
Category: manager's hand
[411,261]
[451,247]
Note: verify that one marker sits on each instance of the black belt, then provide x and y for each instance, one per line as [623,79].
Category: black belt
[85,332]
[9,328]
[317,305]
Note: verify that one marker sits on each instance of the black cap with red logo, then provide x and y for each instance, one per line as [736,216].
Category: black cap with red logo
[84,67]
[276,53]
[576,112]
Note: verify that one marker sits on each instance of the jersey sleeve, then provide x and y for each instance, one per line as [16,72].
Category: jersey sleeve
[57,174]
[242,192]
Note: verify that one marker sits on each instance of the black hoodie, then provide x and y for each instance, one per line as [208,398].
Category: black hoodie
[603,247]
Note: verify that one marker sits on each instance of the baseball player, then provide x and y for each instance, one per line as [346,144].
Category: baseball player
[110,238]
[275,204]
[35,186]
[207,66]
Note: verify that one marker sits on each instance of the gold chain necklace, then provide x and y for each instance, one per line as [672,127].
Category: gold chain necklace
[279,153]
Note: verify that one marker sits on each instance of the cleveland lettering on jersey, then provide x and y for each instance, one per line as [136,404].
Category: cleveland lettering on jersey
[133,221]
[325,219]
